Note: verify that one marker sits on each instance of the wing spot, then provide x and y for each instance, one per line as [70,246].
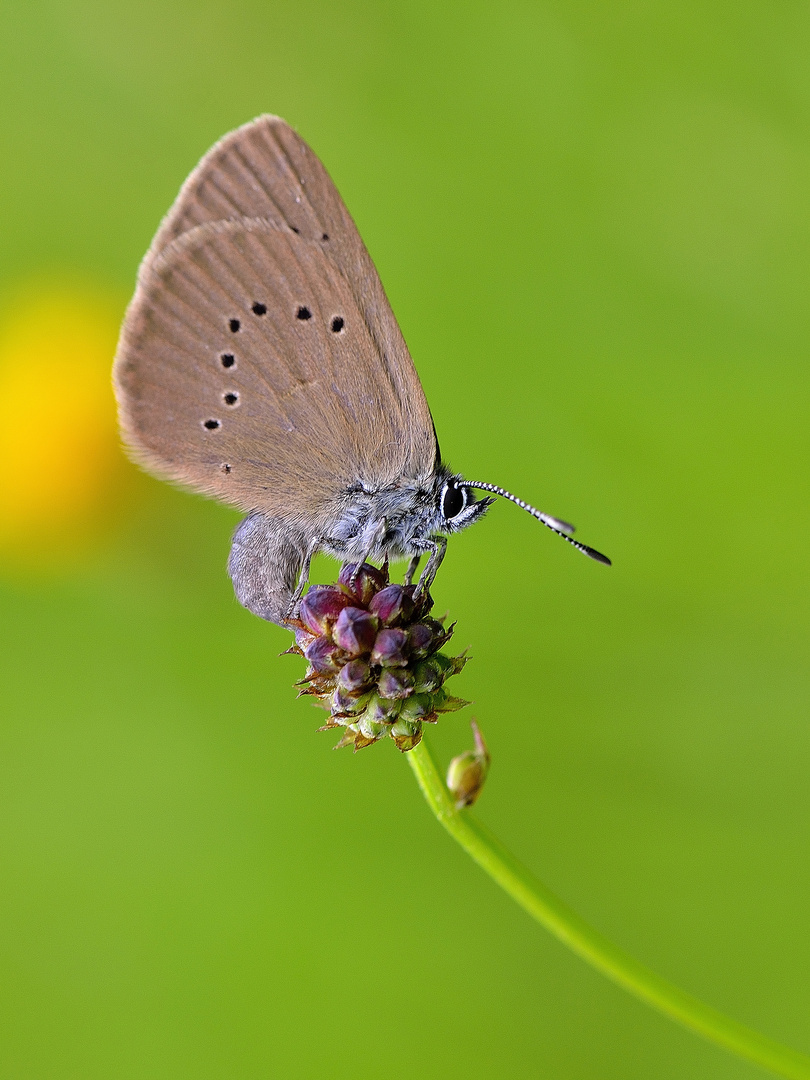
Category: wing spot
[259,309]
[234,325]
[212,425]
[337,324]
[225,467]
[228,360]
[303,313]
[231,398]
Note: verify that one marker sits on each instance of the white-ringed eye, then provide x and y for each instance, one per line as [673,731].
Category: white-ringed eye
[454,499]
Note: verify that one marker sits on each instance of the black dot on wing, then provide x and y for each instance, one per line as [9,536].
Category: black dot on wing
[303,313]
[234,325]
[231,398]
[259,309]
[227,360]
[337,324]
[212,425]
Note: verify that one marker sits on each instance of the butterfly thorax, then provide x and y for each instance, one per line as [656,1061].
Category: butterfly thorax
[396,521]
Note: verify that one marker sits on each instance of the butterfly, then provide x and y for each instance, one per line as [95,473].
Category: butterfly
[260,363]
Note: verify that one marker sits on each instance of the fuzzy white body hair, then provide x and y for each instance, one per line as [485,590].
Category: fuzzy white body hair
[270,554]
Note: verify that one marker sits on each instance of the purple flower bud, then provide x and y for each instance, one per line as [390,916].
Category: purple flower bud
[395,683]
[303,638]
[321,607]
[355,677]
[424,603]
[374,659]
[345,703]
[393,604]
[367,582]
[383,710]
[390,648]
[355,630]
[441,633]
[325,656]
[421,638]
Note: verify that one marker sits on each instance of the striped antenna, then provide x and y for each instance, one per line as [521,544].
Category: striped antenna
[561,528]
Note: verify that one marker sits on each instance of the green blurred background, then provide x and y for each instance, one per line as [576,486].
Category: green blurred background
[593,222]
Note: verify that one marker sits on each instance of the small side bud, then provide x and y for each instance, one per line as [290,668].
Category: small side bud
[468,771]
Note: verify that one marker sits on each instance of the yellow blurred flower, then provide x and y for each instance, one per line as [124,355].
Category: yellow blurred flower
[58,441]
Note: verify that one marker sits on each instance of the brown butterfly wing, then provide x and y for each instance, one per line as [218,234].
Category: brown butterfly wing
[260,221]
[247,370]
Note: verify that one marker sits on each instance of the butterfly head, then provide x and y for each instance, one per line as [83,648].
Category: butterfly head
[456,506]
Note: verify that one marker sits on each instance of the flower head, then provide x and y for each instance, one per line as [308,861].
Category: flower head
[374,655]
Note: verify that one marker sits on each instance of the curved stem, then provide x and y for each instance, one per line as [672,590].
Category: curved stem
[565,924]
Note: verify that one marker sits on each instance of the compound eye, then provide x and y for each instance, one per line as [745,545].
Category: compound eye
[454,500]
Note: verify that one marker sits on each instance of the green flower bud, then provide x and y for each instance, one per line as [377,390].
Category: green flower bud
[381,709]
[428,675]
[406,734]
[468,771]
[416,706]
[372,729]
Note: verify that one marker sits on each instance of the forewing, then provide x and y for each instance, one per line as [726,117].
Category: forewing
[264,169]
[247,370]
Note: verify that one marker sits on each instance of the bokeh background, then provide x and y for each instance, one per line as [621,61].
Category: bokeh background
[593,222]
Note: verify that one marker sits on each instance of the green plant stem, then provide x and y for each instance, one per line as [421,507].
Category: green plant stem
[588,943]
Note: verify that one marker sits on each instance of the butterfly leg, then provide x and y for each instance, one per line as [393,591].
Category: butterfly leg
[373,543]
[315,544]
[412,565]
[437,545]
